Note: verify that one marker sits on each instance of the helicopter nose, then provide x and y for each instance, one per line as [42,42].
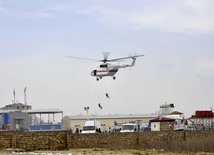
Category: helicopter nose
[94,73]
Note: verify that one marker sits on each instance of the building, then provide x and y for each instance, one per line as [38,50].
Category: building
[178,116]
[15,107]
[166,109]
[202,120]
[162,124]
[14,116]
[107,121]
[18,116]
[14,120]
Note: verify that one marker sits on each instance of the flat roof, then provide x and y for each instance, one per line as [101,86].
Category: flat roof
[35,111]
[162,119]
[117,116]
[44,111]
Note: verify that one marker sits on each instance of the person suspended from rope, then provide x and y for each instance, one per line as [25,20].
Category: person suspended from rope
[100,106]
[107,96]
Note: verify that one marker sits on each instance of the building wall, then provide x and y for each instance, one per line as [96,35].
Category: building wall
[166,126]
[19,120]
[162,126]
[155,126]
[206,122]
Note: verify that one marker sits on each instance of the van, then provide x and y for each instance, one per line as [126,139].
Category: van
[129,127]
[91,126]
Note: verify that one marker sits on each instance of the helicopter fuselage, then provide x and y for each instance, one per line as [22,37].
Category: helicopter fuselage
[105,70]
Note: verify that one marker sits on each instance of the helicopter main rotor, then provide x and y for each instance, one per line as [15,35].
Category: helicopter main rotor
[105,58]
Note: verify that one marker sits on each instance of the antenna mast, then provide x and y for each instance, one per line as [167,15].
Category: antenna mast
[14,95]
[25,95]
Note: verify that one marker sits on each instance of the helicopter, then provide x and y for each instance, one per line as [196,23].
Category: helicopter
[109,69]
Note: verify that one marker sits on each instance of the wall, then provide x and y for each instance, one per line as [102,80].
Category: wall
[18,120]
[41,140]
[166,126]
[155,126]
[62,140]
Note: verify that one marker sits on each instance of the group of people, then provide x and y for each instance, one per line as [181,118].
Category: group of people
[98,130]
[78,131]
[110,130]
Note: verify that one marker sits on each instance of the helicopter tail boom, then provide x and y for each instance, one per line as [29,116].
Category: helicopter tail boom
[131,65]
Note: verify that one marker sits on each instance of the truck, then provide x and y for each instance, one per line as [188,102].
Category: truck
[91,126]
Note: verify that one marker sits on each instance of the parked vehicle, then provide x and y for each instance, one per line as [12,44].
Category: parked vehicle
[145,127]
[91,126]
[129,127]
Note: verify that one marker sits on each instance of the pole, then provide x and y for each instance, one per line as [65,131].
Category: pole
[25,95]
[14,95]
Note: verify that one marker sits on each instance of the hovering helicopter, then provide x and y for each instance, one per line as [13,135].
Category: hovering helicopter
[109,69]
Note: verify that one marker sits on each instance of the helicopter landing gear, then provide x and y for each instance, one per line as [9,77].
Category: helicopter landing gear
[114,77]
[99,78]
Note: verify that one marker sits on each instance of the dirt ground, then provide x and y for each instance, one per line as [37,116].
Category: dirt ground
[123,152]
[102,152]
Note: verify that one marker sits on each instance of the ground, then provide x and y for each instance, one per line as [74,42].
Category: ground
[107,152]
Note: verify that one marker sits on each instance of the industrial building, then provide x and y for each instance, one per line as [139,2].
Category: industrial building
[18,116]
[107,121]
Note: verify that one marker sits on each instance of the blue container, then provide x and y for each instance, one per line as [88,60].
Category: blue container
[5,118]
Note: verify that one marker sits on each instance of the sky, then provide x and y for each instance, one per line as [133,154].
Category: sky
[176,37]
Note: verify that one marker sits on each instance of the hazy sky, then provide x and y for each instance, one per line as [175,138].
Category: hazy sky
[177,37]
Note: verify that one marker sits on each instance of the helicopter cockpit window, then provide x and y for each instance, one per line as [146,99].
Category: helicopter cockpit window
[95,72]
[103,65]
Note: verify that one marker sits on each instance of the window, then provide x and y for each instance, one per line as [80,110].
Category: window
[88,128]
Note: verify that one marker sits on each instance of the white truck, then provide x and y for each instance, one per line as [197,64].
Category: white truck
[91,126]
[129,127]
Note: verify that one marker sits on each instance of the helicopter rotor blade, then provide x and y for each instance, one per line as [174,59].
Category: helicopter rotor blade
[129,57]
[105,55]
[81,58]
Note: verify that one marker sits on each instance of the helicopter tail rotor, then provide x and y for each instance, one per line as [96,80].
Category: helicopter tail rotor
[133,55]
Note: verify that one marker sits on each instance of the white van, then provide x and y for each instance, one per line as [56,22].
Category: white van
[91,126]
[128,127]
